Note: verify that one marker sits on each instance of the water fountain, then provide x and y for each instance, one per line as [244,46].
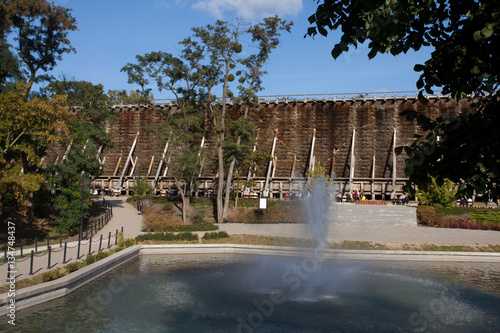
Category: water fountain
[267,293]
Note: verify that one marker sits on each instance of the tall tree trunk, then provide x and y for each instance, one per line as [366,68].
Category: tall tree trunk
[229,180]
[185,200]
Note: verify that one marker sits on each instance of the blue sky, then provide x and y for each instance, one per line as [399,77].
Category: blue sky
[112,32]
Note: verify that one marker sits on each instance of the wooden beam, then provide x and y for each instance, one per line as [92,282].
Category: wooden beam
[150,165]
[117,165]
[134,164]
[128,159]
[394,164]
[254,148]
[311,156]
[353,160]
[270,166]
[155,181]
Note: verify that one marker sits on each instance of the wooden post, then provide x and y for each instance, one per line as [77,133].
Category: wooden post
[128,159]
[293,166]
[311,156]
[117,165]
[373,178]
[150,165]
[134,164]
[394,164]
[270,166]
[353,159]
[254,148]
[155,181]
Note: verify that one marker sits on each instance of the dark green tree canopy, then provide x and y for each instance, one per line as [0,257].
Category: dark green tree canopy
[464,62]
[39,30]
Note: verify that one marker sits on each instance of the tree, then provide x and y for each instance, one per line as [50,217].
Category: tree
[87,138]
[40,30]
[184,128]
[210,59]
[26,129]
[465,42]
[438,195]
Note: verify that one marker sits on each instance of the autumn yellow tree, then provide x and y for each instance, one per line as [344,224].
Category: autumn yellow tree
[27,127]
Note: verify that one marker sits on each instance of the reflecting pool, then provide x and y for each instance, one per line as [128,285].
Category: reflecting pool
[236,293]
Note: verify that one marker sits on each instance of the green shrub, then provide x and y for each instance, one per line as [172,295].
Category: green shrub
[168,236]
[90,259]
[102,255]
[215,235]
[485,216]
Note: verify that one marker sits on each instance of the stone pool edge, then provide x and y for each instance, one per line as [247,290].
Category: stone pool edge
[34,295]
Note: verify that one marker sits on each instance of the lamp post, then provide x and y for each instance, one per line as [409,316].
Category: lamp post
[81,207]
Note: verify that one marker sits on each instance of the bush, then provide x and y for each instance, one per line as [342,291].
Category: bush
[90,259]
[102,255]
[426,215]
[215,235]
[168,236]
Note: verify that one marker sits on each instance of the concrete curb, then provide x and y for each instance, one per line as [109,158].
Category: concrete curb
[44,292]
[27,297]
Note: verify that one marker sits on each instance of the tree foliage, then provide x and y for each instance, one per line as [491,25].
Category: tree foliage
[440,195]
[26,129]
[212,58]
[39,29]
[86,139]
[463,36]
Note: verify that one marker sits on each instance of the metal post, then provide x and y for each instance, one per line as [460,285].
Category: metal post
[48,242]
[5,251]
[81,206]
[78,251]
[36,244]
[122,229]
[116,237]
[64,255]
[60,239]
[109,239]
[31,262]
[48,264]
[8,273]
[100,243]
[90,245]
[22,248]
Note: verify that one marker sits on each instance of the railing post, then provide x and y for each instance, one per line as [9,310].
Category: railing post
[8,273]
[48,264]
[100,243]
[64,255]
[78,250]
[109,239]
[60,239]
[90,245]
[31,262]
[36,244]
[22,248]
[5,252]
[48,242]
[116,237]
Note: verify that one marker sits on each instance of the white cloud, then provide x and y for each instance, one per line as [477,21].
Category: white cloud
[250,9]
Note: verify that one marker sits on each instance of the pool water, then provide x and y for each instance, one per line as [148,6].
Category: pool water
[235,293]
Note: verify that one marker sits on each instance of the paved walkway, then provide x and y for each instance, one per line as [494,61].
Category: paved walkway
[124,215]
[352,223]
